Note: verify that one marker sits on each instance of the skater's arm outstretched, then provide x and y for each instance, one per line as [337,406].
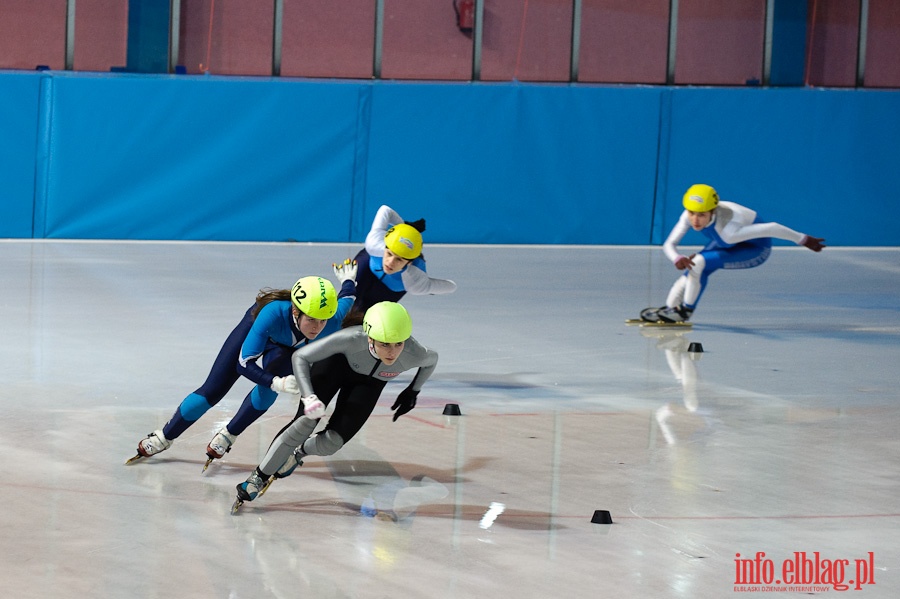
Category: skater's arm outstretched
[413,274]
[734,233]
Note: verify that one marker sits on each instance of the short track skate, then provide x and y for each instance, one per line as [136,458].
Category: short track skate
[238,502]
[659,324]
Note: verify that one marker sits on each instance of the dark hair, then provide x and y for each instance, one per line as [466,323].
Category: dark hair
[267,296]
[354,318]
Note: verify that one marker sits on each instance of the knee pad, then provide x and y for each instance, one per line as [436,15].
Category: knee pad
[193,407]
[699,265]
[299,431]
[325,443]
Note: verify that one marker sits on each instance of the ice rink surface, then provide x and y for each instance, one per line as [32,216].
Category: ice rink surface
[769,458]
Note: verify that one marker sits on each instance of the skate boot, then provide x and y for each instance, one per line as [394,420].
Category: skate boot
[250,489]
[651,314]
[674,315]
[219,446]
[285,471]
[154,443]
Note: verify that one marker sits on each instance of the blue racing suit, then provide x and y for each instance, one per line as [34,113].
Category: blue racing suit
[270,338]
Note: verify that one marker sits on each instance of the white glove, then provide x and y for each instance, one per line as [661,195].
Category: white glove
[346,271]
[285,384]
[313,407]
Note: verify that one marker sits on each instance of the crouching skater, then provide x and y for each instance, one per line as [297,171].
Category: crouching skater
[352,365]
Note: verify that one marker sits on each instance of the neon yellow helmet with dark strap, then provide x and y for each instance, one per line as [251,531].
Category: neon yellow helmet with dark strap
[404,241]
[315,297]
[388,322]
[700,198]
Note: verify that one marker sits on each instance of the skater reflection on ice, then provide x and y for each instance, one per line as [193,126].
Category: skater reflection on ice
[387,496]
[683,364]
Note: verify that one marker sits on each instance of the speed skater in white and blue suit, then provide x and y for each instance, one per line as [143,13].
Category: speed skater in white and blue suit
[738,239]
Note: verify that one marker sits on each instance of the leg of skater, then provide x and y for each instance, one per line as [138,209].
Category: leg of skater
[277,361]
[680,306]
[354,405]
[221,378]
[327,377]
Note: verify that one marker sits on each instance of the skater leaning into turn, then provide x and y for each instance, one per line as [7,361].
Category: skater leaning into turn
[355,364]
[392,264]
[738,239]
[277,323]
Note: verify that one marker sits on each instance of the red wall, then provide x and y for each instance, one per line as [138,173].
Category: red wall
[32,33]
[227,37]
[832,39]
[624,41]
[101,35]
[621,41]
[883,44]
[720,43]
[328,39]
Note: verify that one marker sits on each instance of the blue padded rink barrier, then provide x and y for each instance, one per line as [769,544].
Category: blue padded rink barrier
[773,451]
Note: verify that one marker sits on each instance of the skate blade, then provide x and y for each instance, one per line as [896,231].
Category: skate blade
[670,325]
[236,506]
[631,321]
[209,461]
[134,459]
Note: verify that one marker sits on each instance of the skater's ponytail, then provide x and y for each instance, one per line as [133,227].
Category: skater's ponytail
[268,295]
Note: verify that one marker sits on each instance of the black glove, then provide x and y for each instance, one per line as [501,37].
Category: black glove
[813,243]
[418,225]
[406,401]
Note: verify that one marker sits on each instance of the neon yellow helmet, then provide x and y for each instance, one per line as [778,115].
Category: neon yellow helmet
[404,240]
[700,198]
[388,322]
[315,297]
